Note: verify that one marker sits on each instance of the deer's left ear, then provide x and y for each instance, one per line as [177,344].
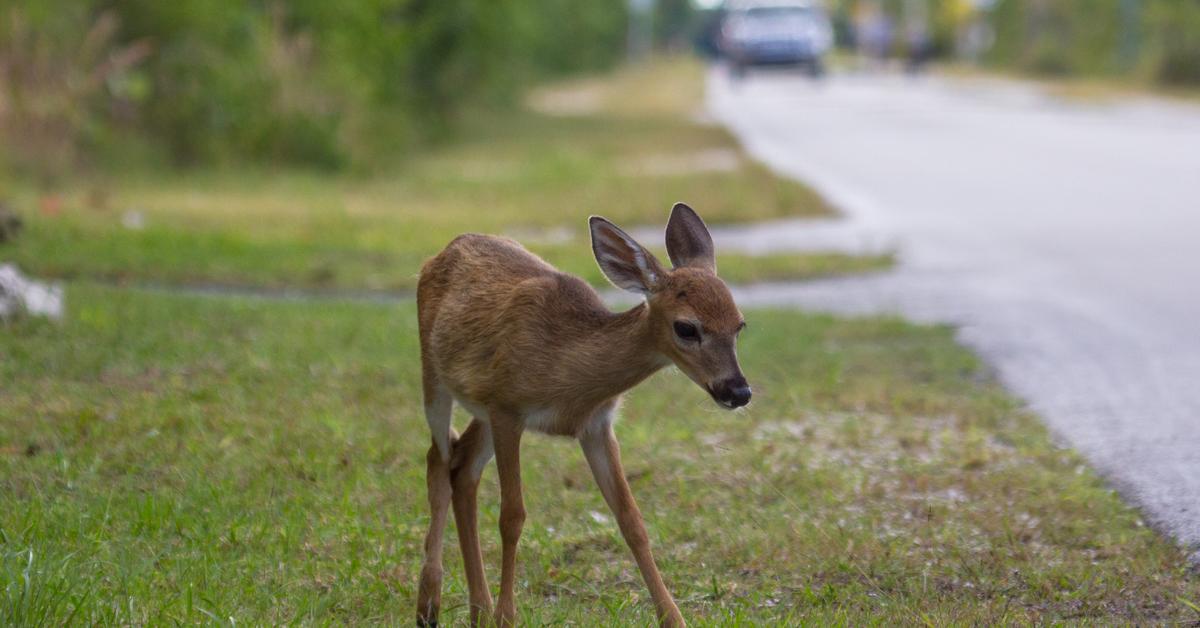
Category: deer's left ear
[625,262]
[688,241]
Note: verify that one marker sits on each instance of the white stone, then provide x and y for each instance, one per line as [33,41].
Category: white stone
[20,295]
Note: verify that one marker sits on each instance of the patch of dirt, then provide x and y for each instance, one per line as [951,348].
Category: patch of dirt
[673,164]
[576,100]
[530,234]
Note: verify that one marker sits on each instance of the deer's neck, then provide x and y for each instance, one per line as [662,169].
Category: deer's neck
[623,353]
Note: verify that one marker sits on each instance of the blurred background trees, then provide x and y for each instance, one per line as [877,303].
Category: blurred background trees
[1157,40]
[311,82]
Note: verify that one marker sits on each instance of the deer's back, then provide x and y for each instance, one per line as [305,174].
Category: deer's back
[488,312]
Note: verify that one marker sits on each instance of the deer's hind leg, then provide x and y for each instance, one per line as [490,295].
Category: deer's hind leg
[507,439]
[471,454]
[438,406]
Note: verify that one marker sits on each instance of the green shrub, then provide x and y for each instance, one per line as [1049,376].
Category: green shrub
[1175,52]
[1158,38]
[307,81]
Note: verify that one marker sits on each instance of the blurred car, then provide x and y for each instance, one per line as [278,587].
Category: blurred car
[776,32]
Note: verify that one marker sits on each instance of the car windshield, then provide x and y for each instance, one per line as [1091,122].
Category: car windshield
[768,21]
[778,13]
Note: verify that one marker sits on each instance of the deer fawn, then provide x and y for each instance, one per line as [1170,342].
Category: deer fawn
[521,346]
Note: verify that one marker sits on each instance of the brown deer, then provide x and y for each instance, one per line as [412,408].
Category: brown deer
[522,346]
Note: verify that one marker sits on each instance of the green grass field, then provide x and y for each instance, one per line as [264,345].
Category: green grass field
[173,459]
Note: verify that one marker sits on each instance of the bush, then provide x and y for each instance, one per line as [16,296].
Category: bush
[1158,38]
[308,81]
[1175,51]
[61,71]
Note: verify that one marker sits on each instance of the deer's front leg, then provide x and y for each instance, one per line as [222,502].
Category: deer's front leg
[506,437]
[604,457]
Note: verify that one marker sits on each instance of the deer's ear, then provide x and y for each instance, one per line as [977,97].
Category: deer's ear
[688,241]
[625,262]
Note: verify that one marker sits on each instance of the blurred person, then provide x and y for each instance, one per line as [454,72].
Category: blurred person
[975,35]
[918,39]
[873,33]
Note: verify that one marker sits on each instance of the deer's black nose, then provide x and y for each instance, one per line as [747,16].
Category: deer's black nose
[733,392]
[739,396]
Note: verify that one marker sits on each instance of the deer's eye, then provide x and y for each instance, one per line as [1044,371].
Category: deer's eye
[687,331]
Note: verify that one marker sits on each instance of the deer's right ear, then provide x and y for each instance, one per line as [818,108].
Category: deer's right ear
[625,262]
[688,241]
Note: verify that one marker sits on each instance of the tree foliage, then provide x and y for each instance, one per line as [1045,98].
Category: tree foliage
[1156,39]
[304,81]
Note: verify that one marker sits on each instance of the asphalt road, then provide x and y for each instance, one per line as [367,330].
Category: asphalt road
[1062,237]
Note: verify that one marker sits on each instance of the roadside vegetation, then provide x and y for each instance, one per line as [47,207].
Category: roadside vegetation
[1142,43]
[327,85]
[626,147]
[1153,42]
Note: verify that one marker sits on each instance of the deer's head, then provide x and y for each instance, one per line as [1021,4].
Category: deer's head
[693,318]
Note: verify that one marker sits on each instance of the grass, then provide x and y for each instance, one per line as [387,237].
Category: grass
[179,459]
[533,173]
